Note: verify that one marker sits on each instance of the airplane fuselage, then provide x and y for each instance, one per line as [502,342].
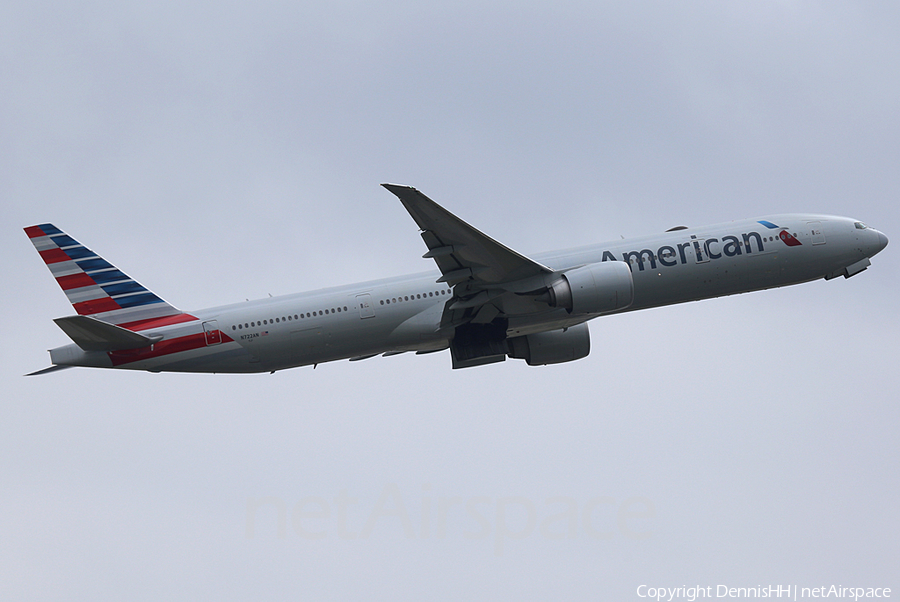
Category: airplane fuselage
[404,314]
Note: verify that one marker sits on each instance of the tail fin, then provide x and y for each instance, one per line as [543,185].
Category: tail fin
[94,286]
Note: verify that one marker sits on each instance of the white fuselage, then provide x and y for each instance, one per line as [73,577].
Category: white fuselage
[404,313]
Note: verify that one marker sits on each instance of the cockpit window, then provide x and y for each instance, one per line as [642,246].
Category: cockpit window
[860,226]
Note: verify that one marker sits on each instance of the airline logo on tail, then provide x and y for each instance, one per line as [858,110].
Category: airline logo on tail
[97,288]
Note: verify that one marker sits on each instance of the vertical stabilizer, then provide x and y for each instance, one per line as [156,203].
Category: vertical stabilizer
[95,287]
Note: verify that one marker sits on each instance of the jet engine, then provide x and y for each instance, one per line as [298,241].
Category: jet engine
[552,347]
[595,288]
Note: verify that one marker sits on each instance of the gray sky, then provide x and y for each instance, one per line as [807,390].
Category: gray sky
[222,152]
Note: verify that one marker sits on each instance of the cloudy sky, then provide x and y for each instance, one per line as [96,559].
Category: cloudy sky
[221,151]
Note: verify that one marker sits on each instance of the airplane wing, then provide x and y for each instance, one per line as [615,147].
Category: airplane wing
[462,253]
[488,278]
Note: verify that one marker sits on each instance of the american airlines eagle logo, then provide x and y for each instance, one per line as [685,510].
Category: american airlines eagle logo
[788,239]
[785,236]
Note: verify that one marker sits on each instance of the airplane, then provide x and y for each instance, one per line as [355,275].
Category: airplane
[487,302]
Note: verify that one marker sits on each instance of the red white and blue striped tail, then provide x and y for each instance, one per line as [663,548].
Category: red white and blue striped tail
[97,288]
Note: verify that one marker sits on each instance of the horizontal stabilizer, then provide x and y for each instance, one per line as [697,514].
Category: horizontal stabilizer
[52,368]
[95,335]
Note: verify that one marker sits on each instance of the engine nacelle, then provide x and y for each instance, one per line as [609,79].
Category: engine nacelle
[553,347]
[595,288]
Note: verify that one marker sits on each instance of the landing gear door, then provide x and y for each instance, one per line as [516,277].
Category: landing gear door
[211,331]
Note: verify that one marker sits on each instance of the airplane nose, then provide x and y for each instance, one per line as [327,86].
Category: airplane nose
[882,241]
